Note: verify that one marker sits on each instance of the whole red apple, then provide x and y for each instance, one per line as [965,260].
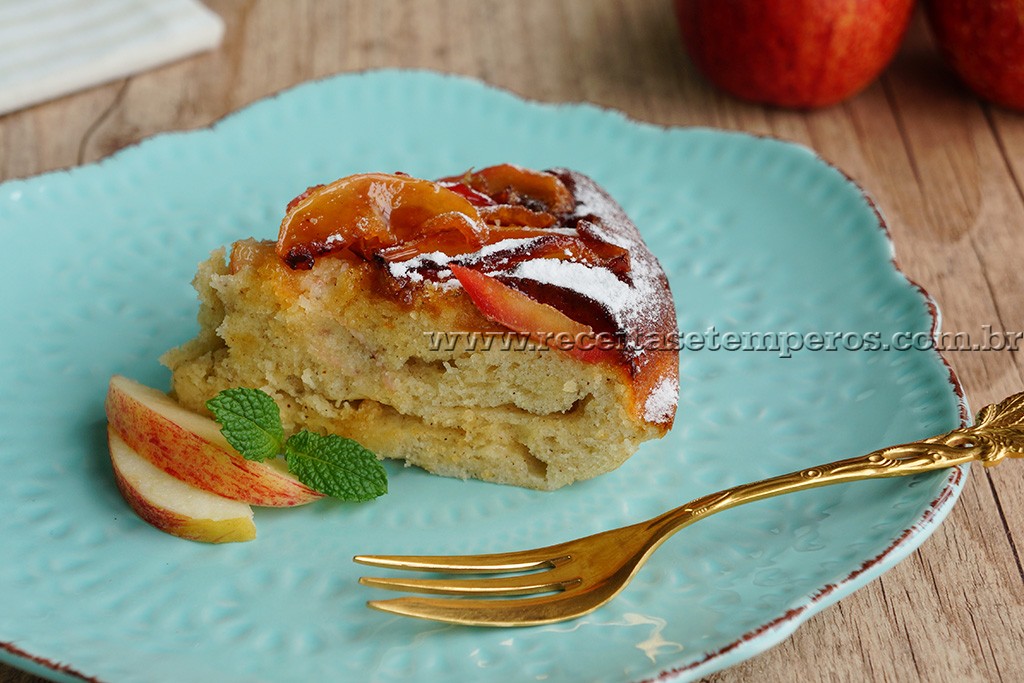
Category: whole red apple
[793,53]
[983,40]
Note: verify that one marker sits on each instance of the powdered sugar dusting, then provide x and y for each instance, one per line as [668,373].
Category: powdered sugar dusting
[437,260]
[597,284]
[591,201]
[635,305]
[661,402]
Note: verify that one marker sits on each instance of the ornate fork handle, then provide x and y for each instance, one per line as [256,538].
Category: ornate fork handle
[998,433]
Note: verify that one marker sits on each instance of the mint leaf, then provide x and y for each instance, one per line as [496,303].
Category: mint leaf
[251,422]
[335,466]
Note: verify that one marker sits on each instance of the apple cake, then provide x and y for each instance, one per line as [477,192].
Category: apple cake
[507,324]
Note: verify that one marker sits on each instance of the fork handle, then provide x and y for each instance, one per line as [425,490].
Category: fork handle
[998,433]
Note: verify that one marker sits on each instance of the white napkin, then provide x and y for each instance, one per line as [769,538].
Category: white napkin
[50,48]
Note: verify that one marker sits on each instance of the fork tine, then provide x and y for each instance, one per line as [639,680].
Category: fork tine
[545,609]
[540,558]
[512,585]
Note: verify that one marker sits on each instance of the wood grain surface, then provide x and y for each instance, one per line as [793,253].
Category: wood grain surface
[945,169]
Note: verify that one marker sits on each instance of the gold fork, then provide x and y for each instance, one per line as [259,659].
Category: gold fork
[579,576]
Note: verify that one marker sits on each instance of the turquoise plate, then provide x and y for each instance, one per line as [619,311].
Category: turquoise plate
[757,236]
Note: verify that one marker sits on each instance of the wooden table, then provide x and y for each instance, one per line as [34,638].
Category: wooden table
[947,171]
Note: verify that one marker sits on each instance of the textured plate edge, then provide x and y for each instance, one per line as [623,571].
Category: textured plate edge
[770,634]
[12,655]
[753,642]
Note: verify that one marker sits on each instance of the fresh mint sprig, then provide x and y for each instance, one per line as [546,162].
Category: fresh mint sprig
[250,420]
[335,466]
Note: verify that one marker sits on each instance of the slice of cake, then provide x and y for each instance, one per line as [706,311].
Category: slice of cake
[507,324]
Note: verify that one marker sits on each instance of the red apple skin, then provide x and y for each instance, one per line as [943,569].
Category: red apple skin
[506,306]
[983,42]
[172,509]
[190,447]
[793,53]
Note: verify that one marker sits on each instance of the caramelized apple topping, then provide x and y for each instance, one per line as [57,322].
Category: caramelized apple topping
[612,256]
[297,200]
[510,214]
[448,242]
[511,184]
[479,227]
[369,212]
[398,217]
[475,198]
[549,246]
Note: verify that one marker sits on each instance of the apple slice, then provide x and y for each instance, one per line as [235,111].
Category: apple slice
[191,448]
[508,183]
[545,324]
[370,211]
[172,505]
[513,214]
